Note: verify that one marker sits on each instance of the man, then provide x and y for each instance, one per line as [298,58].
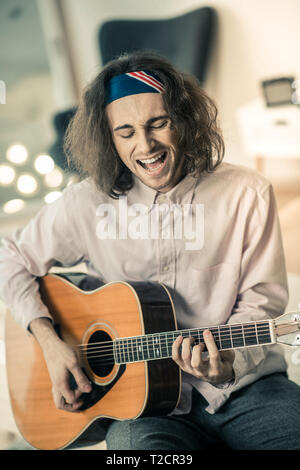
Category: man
[146,135]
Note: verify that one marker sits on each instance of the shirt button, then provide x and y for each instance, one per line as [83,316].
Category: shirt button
[166,268]
[162,198]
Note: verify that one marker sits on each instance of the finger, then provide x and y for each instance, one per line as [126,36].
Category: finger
[59,400]
[62,404]
[73,407]
[66,392]
[197,361]
[83,384]
[63,388]
[213,352]
[186,352]
[176,353]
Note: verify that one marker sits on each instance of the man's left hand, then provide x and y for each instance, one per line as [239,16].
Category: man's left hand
[215,369]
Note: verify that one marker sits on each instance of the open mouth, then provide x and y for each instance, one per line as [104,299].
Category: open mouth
[153,164]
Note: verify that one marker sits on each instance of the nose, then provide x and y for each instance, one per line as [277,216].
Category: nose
[145,143]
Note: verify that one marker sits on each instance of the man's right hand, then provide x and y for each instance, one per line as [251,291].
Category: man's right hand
[61,360]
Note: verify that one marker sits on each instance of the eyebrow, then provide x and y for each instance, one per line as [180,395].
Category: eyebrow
[148,123]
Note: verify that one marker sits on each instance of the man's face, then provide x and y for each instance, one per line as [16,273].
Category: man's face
[145,140]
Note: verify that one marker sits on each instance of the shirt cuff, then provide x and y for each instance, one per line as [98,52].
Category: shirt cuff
[246,361]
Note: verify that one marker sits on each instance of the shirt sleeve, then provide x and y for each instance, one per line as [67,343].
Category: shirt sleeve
[29,253]
[263,290]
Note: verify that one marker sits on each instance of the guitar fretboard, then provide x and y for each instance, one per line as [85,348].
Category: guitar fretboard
[159,345]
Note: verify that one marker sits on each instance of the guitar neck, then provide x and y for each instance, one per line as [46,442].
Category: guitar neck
[159,345]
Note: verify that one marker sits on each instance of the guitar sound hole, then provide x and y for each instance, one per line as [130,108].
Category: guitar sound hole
[100,353]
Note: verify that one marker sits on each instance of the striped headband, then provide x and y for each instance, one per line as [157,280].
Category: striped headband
[133,83]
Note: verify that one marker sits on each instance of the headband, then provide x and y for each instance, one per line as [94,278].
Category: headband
[133,83]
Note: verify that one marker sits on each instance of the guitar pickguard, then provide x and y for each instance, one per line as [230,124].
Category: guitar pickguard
[98,391]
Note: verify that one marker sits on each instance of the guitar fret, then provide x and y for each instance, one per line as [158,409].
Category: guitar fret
[237,336]
[129,347]
[219,337]
[129,351]
[155,346]
[230,335]
[159,344]
[243,335]
[256,334]
[126,351]
[250,337]
[150,346]
[116,352]
[140,349]
[226,337]
[151,349]
[134,350]
[167,345]
[145,348]
[163,345]
[263,335]
[123,353]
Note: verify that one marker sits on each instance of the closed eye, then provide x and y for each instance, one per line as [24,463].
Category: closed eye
[127,136]
[160,126]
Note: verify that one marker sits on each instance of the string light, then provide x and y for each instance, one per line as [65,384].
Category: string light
[12,206]
[17,153]
[27,184]
[44,164]
[7,174]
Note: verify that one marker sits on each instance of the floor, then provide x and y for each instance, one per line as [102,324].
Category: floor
[289,211]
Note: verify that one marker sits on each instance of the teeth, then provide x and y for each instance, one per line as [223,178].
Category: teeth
[152,160]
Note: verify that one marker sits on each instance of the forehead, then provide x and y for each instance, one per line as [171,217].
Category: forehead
[135,109]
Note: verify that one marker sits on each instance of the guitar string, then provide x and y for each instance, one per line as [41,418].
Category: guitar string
[132,349]
[164,349]
[150,340]
[196,331]
[145,346]
[110,359]
[249,327]
[227,329]
[134,345]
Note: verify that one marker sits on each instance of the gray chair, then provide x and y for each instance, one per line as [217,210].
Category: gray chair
[185,40]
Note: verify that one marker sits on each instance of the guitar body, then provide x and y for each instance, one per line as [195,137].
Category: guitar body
[120,391]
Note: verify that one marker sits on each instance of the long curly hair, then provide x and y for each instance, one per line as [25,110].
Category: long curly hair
[88,141]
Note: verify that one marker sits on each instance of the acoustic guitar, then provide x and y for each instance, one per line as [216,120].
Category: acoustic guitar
[123,334]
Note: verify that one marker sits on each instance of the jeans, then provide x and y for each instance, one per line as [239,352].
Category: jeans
[264,415]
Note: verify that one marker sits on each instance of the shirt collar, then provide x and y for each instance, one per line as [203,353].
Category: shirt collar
[182,193]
